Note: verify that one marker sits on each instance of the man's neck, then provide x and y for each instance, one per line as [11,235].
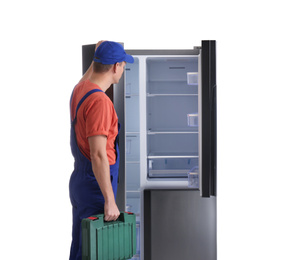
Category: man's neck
[102,80]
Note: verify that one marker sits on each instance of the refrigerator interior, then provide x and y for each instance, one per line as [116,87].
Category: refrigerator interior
[161,127]
[171,101]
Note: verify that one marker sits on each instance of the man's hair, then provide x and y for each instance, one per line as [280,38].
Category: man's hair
[100,68]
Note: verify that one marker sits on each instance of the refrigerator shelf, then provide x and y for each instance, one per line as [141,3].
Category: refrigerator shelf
[183,154]
[172,156]
[132,162]
[170,132]
[171,95]
[131,95]
[169,80]
[168,173]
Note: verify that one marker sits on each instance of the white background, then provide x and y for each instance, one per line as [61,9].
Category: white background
[40,59]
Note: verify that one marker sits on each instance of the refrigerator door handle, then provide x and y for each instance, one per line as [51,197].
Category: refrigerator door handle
[209,120]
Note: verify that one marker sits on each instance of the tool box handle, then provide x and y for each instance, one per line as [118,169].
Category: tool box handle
[121,217]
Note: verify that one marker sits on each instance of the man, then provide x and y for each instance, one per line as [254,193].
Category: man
[94,145]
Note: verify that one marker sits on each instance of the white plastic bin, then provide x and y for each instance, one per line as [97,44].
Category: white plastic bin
[192,120]
[193,178]
[192,78]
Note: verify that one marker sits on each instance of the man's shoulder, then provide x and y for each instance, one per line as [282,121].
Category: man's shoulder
[84,87]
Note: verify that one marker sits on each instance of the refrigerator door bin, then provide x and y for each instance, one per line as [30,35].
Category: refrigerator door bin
[132,113]
[133,202]
[192,120]
[132,176]
[132,147]
[193,178]
[192,78]
[132,78]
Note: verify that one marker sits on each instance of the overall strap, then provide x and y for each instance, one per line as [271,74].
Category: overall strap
[81,101]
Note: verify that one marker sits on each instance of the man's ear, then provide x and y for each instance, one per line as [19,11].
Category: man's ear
[114,68]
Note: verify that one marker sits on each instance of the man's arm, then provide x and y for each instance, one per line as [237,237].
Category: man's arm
[88,73]
[101,169]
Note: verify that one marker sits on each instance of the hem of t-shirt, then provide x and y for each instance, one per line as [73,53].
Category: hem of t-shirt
[105,133]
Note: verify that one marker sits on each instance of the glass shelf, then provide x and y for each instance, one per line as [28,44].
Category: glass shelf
[166,132]
[171,95]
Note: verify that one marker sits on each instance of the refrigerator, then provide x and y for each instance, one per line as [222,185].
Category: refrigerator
[166,105]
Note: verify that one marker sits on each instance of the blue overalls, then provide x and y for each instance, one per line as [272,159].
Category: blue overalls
[85,194]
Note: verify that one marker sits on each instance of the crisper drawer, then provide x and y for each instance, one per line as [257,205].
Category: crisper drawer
[170,166]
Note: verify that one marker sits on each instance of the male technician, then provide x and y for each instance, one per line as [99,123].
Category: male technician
[94,141]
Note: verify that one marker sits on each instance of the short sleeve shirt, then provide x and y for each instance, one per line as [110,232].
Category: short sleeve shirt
[96,116]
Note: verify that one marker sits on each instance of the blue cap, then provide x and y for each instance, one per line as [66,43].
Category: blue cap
[111,53]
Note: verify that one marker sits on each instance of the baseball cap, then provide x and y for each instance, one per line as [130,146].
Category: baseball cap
[111,52]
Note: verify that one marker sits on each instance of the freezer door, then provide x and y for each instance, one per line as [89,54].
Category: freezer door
[179,224]
[209,120]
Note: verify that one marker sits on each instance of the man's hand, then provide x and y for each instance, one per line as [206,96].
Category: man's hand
[88,73]
[111,211]
[98,44]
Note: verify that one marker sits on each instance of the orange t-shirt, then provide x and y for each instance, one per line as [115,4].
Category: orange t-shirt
[96,116]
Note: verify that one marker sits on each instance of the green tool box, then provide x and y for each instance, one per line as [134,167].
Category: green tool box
[115,240]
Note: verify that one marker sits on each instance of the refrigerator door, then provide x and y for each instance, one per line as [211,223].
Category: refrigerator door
[179,224]
[209,120]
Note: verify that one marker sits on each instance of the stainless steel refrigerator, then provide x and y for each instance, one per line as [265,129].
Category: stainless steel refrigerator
[166,104]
